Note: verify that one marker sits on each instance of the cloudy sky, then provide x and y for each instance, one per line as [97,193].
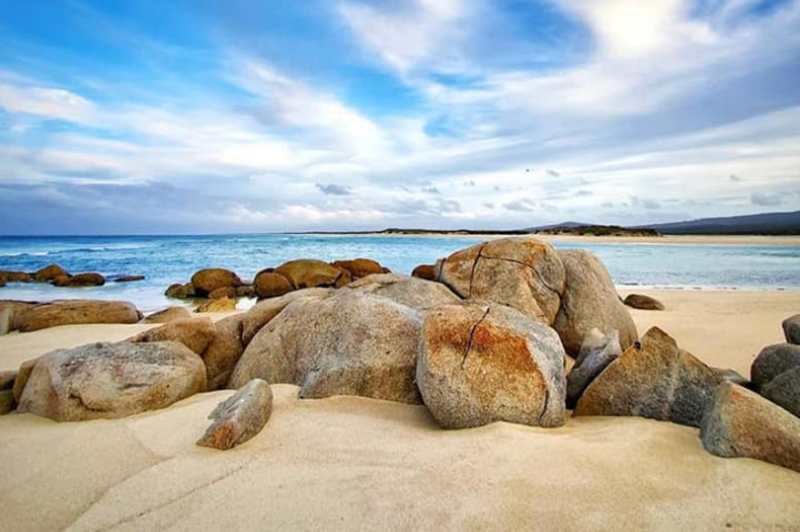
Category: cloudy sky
[205,116]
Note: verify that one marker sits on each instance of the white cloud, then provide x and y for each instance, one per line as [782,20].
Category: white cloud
[46,102]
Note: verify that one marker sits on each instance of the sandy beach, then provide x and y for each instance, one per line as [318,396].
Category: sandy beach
[349,463]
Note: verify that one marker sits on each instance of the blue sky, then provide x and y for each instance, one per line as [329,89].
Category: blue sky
[204,116]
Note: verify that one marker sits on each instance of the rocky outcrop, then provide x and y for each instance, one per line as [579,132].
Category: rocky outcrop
[739,423]
[310,273]
[409,291]
[784,390]
[222,304]
[128,278]
[240,417]
[76,312]
[194,333]
[791,329]
[653,379]
[643,302]
[590,301]
[348,344]
[111,380]
[359,268]
[772,361]
[180,291]
[484,363]
[49,273]
[597,352]
[425,271]
[167,315]
[523,273]
[207,280]
[271,284]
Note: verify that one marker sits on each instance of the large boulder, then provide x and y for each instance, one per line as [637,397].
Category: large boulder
[348,344]
[194,333]
[270,284]
[240,417]
[643,302]
[484,363]
[791,329]
[209,279]
[309,273]
[653,379]
[784,390]
[359,268]
[49,273]
[772,361]
[111,380]
[590,301]
[739,423]
[76,312]
[80,279]
[597,352]
[409,291]
[167,315]
[523,273]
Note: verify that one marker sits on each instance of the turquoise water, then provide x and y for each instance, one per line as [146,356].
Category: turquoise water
[168,259]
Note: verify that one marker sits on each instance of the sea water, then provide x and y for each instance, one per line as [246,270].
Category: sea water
[164,260]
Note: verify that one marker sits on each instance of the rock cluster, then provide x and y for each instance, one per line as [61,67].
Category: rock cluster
[58,276]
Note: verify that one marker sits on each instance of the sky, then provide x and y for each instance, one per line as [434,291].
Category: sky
[194,116]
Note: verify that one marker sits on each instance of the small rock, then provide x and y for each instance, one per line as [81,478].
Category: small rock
[740,423]
[207,280]
[224,291]
[76,312]
[425,271]
[194,333]
[784,390]
[49,273]
[223,304]
[167,315]
[271,284]
[359,268]
[772,361]
[180,291]
[240,417]
[597,352]
[791,329]
[129,278]
[643,302]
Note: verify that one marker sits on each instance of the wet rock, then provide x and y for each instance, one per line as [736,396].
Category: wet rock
[240,417]
[207,280]
[111,380]
[309,273]
[128,278]
[523,273]
[740,423]
[480,364]
[590,301]
[223,304]
[225,291]
[425,271]
[772,361]
[347,344]
[791,329]
[653,379]
[15,277]
[784,390]
[409,291]
[81,279]
[597,352]
[194,333]
[643,302]
[359,268]
[49,273]
[180,291]
[271,284]
[76,312]
[167,315]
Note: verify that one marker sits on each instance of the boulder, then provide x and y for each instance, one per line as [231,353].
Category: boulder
[740,423]
[597,352]
[359,268]
[128,278]
[49,273]
[484,363]
[194,333]
[11,313]
[207,280]
[348,344]
[523,273]
[425,271]
[15,277]
[223,304]
[180,291]
[653,379]
[225,291]
[6,402]
[784,390]
[590,301]
[262,312]
[643,302]
[246,290]
[111,380]
[167,315]
[772,361]
[791,329]
[22,377]
[76,312]
[83,279]
[308,273]
[240,417]
[271,284]
[409,291]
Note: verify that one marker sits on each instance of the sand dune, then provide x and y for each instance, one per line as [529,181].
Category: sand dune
[350,463]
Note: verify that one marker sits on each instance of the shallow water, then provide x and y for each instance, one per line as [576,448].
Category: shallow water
[168,259]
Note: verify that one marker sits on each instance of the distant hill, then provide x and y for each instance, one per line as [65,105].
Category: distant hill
[773,223]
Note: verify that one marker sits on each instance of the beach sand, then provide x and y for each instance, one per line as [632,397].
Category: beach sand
[349,463]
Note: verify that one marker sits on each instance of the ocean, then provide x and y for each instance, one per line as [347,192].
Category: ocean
[169,259]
